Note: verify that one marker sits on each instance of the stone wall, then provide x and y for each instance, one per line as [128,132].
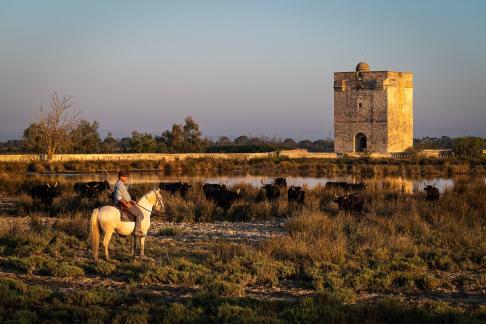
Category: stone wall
[292,154]
[400,111]
[19,157]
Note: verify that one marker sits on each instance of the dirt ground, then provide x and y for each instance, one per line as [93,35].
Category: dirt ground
[197,236]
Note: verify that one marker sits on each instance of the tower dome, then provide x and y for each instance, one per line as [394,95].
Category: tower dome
[362,67]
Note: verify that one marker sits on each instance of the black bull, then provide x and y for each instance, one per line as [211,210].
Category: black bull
[45,193]
[210,188]
[272,192]
[296,195]
[433,192]
[91,189]
[176,187]
[281,182]
[222,197]
[350,203]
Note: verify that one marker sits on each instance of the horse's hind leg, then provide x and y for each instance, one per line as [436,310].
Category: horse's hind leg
[106,243]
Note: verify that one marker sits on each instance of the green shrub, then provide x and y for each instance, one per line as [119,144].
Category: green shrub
[61,270]
[168,231]
[218,287]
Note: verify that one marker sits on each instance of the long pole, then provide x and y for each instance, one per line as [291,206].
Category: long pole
[107,173]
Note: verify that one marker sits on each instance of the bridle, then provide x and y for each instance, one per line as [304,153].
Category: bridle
[157,202]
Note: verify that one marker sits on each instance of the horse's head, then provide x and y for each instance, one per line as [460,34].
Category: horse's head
[158,204]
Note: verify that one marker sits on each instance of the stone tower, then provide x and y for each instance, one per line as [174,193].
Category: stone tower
[373,110]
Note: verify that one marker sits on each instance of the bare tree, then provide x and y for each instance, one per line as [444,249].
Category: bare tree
[57,124]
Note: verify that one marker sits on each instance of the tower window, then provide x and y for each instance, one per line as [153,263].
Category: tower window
[360,105]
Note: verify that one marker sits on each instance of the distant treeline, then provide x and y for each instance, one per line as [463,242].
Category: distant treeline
[187,138]
[181,138]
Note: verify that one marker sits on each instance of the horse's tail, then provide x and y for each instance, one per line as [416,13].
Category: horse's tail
[95,233]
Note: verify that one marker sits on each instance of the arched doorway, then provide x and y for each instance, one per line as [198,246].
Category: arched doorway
[360,142]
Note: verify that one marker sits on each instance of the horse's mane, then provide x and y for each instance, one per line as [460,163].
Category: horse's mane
[146,197]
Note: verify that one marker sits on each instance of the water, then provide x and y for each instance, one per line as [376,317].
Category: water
[397,183]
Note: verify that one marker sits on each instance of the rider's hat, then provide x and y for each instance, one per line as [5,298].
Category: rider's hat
[123,173]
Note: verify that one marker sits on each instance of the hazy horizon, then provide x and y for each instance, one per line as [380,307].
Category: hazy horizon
[240,68]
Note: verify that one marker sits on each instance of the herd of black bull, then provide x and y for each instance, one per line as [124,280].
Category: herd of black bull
[46,193]
[224,198]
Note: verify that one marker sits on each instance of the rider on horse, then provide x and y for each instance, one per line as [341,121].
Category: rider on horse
[123,200]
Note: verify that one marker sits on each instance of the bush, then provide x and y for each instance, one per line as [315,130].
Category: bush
[168,231]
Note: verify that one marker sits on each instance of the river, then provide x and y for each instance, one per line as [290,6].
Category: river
[397,183]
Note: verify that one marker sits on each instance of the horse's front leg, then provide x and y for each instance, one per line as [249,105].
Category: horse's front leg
[106,243]
[142,247]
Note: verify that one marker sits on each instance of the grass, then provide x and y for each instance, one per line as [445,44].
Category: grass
[169,231]
[361,166]
[24,303]
[402,245]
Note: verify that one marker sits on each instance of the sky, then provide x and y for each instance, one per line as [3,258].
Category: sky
[238,67]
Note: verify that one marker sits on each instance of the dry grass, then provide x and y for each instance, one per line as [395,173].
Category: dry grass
[402,244]
[361,166]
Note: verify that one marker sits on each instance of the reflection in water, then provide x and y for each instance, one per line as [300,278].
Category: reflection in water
[396,183]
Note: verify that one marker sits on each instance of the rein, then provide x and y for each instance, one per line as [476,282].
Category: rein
[140,206]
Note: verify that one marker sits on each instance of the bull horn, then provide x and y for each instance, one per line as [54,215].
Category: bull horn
[55,185]
[48,185]
[336,196]
[425,184]
[261,180]
[238,191]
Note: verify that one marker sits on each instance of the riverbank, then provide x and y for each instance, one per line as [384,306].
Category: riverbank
[362,166]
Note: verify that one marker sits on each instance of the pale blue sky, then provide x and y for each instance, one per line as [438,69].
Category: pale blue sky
[252,67]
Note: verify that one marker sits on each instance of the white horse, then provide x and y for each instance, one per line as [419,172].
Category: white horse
[108,220]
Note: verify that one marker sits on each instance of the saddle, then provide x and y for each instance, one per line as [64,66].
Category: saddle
[125,216]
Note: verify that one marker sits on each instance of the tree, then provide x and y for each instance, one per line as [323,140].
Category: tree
[174,140]
[192,136]
[305,144]
[142,143]
[34,139]
[468,146]
[183,138]
[256,141]
[322,145]
[85,137]
[223,140]
[124,144]
[10,146]
[242,140]
[446,142]
[57,124]
[110,144]
[289,143]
